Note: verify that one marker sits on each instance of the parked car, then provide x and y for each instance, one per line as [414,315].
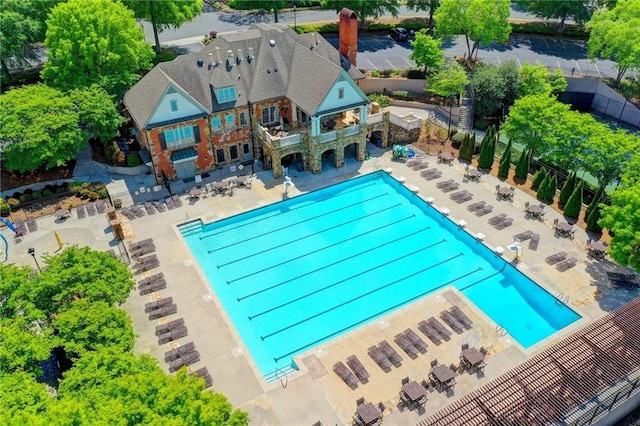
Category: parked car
[399,34]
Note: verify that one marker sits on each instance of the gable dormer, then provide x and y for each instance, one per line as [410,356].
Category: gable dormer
[175,105]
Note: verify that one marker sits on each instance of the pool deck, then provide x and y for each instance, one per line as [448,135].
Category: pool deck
[316,393]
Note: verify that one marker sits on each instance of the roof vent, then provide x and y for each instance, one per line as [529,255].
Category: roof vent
[272,42]
[316,40]
[218,55]
[250,57]
[268,71]
[275,70]
[230,58]
[200,63]
[239,57]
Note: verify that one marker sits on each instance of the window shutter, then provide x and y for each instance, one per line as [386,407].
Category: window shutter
[196,133]
[163,142]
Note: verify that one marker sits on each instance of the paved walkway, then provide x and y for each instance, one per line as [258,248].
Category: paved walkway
[315,393]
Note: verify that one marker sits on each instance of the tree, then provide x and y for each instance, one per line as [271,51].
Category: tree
[167,14]
[449,81]
[97,112]
[574,204]
[597,199]
[538,178]
[38,127]
[426,51]
[488,149]
[466,149]
[23,25]
[537,80]
[24,344]
[489,89]
[505,162]
[81,273]
[593,220]
[607,152]
[91,326]
[479,21]
[622,218]
[522,166]
[424,5]
[579,10]
[567,189]
[543,188]
[22,399]
[568,146]
[364,8]
[614,35]
[95,41]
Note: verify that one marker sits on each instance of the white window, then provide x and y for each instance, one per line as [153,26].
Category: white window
[230,121]
[226,94]
[181,136]
[174,105]
[270,115]
[341,93]
[243,119]
[216,125]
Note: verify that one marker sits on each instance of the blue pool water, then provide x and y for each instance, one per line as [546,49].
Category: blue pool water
[302,271]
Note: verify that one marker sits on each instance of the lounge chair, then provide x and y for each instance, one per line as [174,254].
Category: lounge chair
[566,264]
[150,280]
[431,333]
[161,207]
[151,306]
[169,202]
[555,258]
[356,366]
[533,242]
[484,210]
[20,226]
[101,206]
[623,280]
[137,244]
[464,198]
[177,201]
[188,359]
[413,162]
[451,321]
[179,351]
[496,219]
[523,236]
[32,224]
[163,328]
[138,211]
[345,374]
[143,251]
[91,209]
[173,334]
[458,194]
[406,345]
[128,213]
[461,317]
[149,208]
[444,183]
[420,166]
[81,211]
[391,353]
[441,329]
[417,341]
[504,223]
[381,359]
[203,373]
[450,187]
[476,206]
[163,311]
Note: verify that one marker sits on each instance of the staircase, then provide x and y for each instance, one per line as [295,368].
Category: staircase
[465,123]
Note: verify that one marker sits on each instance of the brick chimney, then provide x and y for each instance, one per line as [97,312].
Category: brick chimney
[349,35]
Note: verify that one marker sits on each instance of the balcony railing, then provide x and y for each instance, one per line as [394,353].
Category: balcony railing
[328,136]
[374,118]
[351,130]
[290,140]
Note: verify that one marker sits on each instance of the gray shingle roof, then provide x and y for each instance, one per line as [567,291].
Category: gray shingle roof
[300,67]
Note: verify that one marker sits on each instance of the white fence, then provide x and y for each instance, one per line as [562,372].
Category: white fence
[407,122]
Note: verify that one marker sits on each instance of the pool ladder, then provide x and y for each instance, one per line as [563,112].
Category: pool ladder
[562,298]
[500,330]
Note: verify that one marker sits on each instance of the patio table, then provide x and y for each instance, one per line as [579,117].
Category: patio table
[473,174]
[597,249]
[414,391]
[195,192]
[505,192]
[442,374]
[62,213]
[564,228]
[535,211]
[472,356]
[369,413]
[445,157]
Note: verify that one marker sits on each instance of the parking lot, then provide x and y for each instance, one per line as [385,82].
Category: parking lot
[378,51]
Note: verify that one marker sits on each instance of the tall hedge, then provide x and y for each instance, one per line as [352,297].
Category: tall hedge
[543,188]
[466,149]
[552,187]
[522,167]
[567,189]
[572,209]
[597,199]
[505,162]
[487,150]
[593,218]
[538,177]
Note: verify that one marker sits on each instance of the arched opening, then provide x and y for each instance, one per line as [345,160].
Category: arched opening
[351,152]
[293,162]
[376,138]
[328,159]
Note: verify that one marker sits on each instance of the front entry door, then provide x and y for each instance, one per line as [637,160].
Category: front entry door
[185,169]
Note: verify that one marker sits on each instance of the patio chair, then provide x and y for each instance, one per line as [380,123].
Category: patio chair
[497,188]
[417,341]
[404,343]
[533,243]
[345,374]
[441,329]
[137,244]
[420,166]
[177,201]
[163,328]
[179,351]
[91,209]
[451,321]
[461,317]
[484,210]
[188,359]
[149,208]
[523,236]
[555,258]
[138,211]
[431,333]
[203,373]
[81,211]
[173,334]
[161,207]
[163,311]
[391,353]
[32,224]
[504,223]
[381,359]
[476,206]
[20,226]
[151,306]
[498,218]
[356,366]
[566,264]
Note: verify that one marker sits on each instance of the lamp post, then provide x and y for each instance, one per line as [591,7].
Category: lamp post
[32,252]
[295,23]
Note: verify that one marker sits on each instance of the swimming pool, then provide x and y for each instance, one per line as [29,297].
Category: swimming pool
[299,272]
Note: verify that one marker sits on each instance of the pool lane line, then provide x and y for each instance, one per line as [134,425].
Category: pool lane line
[483,279]
[311,203]
[304,274]
[297,299]
[286,243]
[275,265]
[361,296]
[296,223]
[364,320]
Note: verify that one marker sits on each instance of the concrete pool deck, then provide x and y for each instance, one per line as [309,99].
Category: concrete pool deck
[316,393]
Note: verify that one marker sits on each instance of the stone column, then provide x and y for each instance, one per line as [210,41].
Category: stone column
[338,156]
[276,166]
[315,162]
[315,126]
[363,115]
[362,149]
[385,126]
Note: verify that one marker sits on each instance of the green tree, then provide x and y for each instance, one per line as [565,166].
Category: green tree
[607,152]
[593,219]
[38,127]
[466,149]
[489,89]
[537,80]
[578,10]
[364,8]
[23,400]
[505,162]
[97,112]
[567,189]
[568,148]
[597,199]
[24,344]
[81,273]
[538,178]
[522,166]
[95,41]
[424,5]
[449,81]
[488,149]
[166,14]
[426,51]
[614,35]
[622,218]
[479,21]
[90,326]
[574,204]
[543,188]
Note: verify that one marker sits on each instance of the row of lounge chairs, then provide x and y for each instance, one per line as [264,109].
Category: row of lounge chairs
[91,209]
[500,221]
[152,283]
[533,238]
[151,207]
[145,263]
[560,260]
[456,319]
[434,330]
[431,174]
[461,196]
[480,208]
[410,343]
[351,376]
[447,185]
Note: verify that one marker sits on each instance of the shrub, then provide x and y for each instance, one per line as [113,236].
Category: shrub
[567,190]
[93,196]
[375,73]
[538,178]
[466,149]
[487,150]
[74,184]
[386,73]
[402,94]
[14,204]
[597,198]
[522,167]
[572,209]
[47,193]
[459,137]
[133,159]
[102,193]
[414,74]
[84,193]
[383,100]
[593,219]
[505,162]
[61,190]
[36,195]
[5,208]
[25,198]
[454,130]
